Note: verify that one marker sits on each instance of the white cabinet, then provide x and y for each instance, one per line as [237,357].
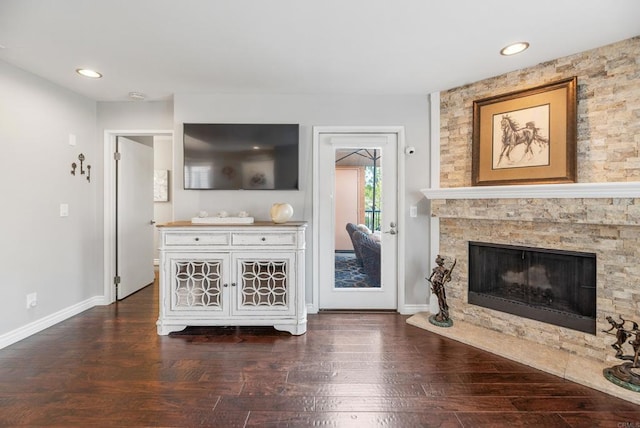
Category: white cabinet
[232,275]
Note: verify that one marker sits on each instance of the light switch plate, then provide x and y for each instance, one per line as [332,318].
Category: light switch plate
[413,211]
[72,139]
[64,210]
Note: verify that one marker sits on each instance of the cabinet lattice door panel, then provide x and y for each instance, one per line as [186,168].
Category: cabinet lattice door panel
[197,284]
[264,283]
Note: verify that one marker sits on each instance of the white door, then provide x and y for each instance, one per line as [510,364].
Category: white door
[385,295]
[134,216]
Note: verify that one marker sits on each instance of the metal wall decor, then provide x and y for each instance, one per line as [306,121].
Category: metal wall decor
[74,166]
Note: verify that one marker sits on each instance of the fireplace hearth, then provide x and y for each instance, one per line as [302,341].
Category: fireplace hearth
[547,285]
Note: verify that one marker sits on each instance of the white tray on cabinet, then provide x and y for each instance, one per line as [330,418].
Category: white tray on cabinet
[222,220]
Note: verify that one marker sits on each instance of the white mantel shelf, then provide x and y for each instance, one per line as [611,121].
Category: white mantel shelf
[539,191]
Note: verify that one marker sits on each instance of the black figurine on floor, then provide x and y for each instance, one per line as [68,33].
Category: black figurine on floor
[438,278]
[626,374]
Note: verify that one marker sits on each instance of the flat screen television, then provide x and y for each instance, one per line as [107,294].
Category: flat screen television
[233,156]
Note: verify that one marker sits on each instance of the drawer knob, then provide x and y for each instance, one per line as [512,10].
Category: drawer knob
[225,285]
[233,284]
[264,239]
[197,239]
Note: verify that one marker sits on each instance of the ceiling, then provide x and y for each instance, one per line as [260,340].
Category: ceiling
[164,47]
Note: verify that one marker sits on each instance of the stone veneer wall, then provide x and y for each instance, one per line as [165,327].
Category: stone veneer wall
[608,151]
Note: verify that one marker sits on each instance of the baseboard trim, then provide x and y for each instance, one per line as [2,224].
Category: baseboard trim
[413,309]
[43,323]
[402,310]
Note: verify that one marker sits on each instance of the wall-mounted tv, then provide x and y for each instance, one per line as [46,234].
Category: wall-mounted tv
[234,156]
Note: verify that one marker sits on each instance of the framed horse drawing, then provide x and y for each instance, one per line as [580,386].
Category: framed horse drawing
[526,137]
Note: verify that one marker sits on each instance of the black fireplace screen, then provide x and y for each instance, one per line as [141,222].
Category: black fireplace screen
[552,286]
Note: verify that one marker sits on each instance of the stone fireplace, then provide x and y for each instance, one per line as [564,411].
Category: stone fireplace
[600,214]
[614,239]
[553,286]
[605,230]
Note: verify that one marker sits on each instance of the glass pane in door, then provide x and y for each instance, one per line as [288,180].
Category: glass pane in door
[358,195]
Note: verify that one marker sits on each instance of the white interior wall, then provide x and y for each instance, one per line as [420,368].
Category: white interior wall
[412,112]
[42,252]
[60,258]
[162,159]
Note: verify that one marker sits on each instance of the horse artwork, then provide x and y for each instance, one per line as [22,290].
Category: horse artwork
[517,144]
[526,137]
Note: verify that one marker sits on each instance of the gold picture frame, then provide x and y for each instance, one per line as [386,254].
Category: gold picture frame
[526,137]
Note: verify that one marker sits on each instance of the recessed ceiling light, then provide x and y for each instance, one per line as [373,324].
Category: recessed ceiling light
[88,73]
[514,48]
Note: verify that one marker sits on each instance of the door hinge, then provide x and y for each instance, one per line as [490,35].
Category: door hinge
[117,156]
[116,279]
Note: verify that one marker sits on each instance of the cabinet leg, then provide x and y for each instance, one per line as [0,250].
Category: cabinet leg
[294,329]
[164,329]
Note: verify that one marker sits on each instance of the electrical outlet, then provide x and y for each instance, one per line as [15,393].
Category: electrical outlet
[32,300]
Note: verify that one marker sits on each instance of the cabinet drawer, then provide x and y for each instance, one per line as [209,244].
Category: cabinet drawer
[263,239]
[197,239]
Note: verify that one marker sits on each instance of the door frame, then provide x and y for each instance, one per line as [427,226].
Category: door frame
[399,131]
[109,193]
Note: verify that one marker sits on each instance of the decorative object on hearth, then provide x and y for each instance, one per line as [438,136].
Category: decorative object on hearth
[281,212]
[526,137]
[626,375]
[438,278]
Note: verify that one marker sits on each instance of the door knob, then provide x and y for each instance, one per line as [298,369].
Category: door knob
[152,222]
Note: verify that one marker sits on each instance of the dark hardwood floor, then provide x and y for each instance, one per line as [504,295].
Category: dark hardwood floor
[107,367]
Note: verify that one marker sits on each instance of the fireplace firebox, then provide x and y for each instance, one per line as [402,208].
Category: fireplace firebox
[552,286]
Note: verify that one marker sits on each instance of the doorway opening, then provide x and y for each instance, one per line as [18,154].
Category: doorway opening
[349,193]
[128,187]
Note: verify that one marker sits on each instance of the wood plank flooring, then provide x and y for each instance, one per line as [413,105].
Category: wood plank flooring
[107,368]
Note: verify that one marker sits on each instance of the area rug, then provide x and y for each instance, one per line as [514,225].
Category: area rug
[349,274]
